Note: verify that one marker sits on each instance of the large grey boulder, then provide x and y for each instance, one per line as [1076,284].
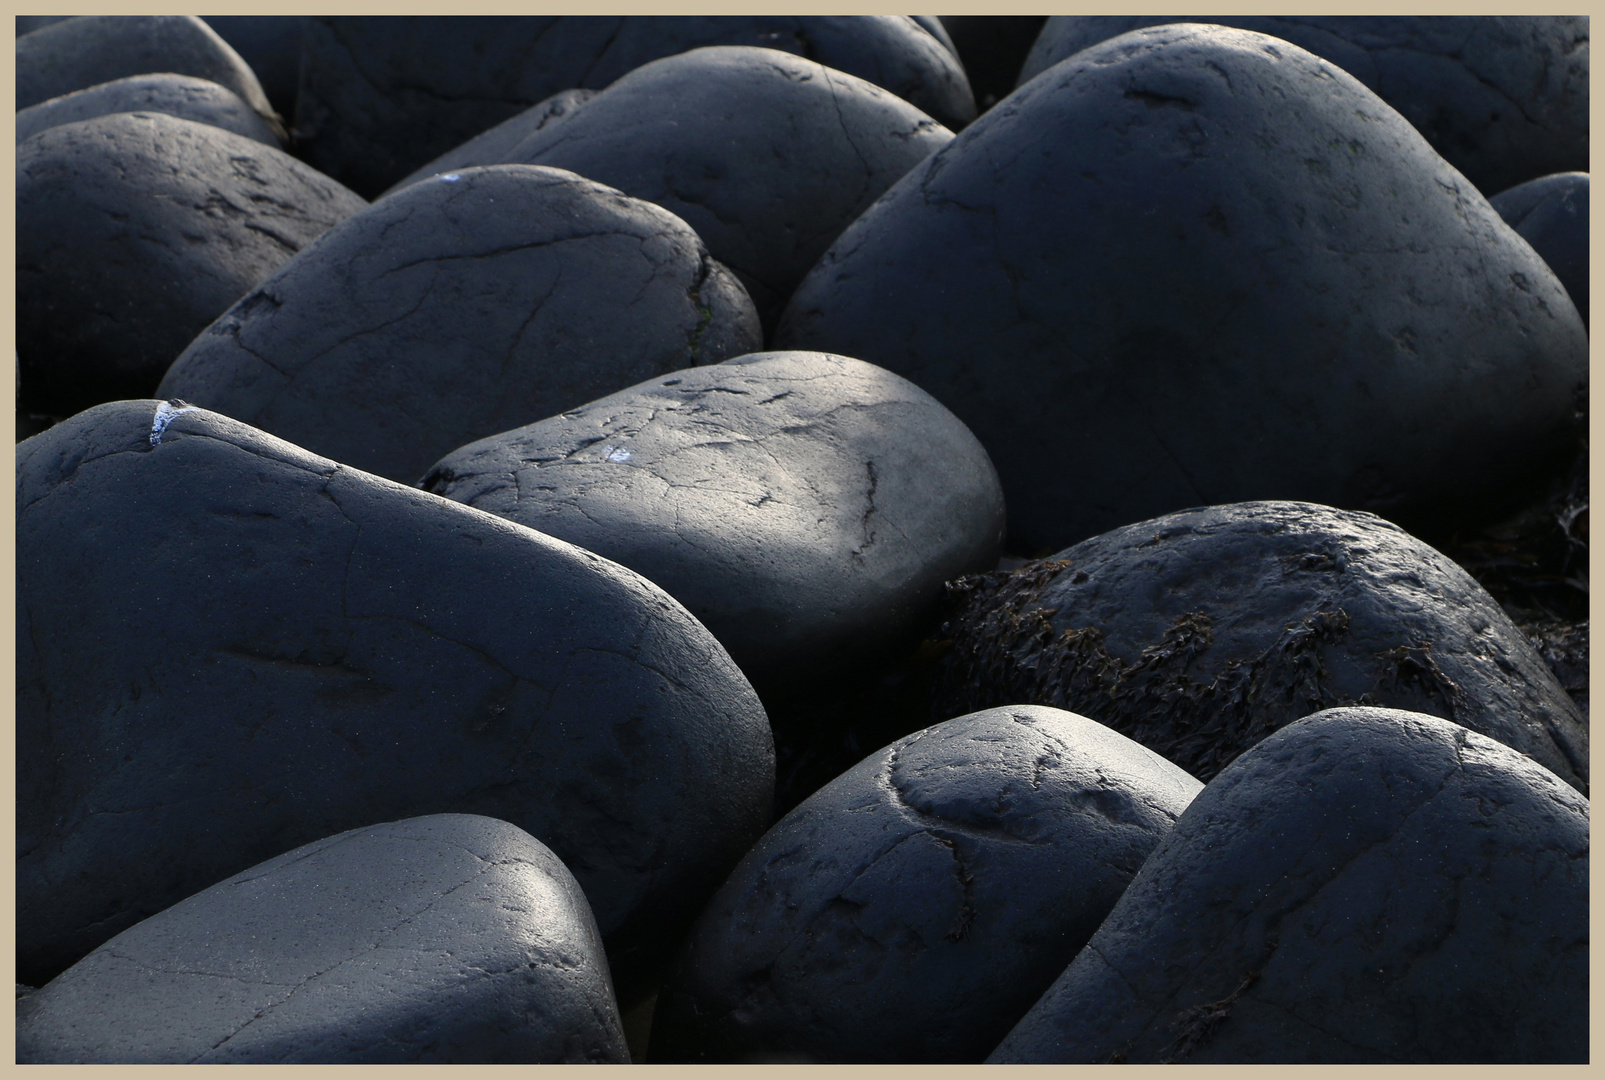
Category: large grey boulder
[1196,265]
[913,908]
[183,96]
[1364,886]
[806,508]
[228,647]
[448,939]
[1551,214]
[472,304]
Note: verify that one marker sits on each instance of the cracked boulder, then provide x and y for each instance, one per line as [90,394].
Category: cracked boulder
[136,230]
[458,308]
[183,96]
[767,156]
[448,939]
[916,906]
[806,508]
[1551,214]
[1200,633]
[1504,98]
[1364,886]
[382,95]
[1194,265]
[228,646]
[78,53]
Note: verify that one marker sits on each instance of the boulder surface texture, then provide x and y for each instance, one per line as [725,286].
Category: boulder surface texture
[381,95]
[81,52]
[1200,633]
[448,939]
[136,230]
[183,96]
[228,647]
[916,906]
[806,508]
[1504,98]
[767,156]
[474,303]
[1551,214]
[1195,265]
[1366,885]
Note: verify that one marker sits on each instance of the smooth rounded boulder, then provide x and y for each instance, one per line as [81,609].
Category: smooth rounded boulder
[1195,265]
[1364,886]
[1504,98]
[1551,214]
[449,939]
[81,52]
[135,231]
[1200,633]
[806,508]
[472,304]
[183,96]
[767,156]
[913,908]
[228,647]
[381,95]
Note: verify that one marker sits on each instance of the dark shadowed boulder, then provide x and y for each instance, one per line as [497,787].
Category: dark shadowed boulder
[1200,633]
[78,53]
[271,46]
[136,230]
[806,508]
[1365,886]
[992,48]
[183,96]
[470,304]
[1551,214]
[381,95]
[448,939]
[1504,98]
[767,156]
[1196,265]
[229,647]
[914,908]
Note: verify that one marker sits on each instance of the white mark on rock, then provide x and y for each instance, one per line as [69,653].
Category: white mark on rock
[616,453]
[164,416]
[450,178]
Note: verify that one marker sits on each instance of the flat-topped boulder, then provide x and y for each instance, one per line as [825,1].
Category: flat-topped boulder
[807,508]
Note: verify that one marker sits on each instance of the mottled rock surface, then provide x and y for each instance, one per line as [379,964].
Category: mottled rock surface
[449,939]
[1504,98]
[382,95]
[183,96]
[1364,886]
[136,230]
[914,908]
[228,647]
[474,303]
[806,508]
[1200,633]
[1194,265]
[81,52]
[767,156]
[1551,214]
